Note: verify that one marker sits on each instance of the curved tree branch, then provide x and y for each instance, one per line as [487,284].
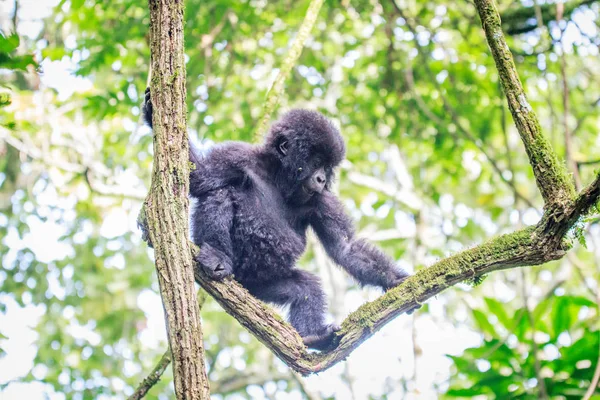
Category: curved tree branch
[521,248]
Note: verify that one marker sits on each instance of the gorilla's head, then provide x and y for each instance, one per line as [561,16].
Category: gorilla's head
[307,148]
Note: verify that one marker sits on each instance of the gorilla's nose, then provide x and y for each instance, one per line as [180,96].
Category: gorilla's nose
[318,181]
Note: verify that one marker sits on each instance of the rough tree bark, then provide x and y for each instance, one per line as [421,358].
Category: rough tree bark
[534,245]
[166,207]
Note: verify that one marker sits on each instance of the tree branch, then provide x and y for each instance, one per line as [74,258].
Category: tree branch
[152,378]
[551,175]
[166,207]
[289,62]
[517,249]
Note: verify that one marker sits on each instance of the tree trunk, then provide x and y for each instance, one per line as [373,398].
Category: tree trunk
[166,207]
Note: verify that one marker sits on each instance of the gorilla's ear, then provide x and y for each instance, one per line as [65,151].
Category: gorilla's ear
[282,147]
[278,140]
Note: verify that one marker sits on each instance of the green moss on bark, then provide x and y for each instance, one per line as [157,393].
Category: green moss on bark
[551,175]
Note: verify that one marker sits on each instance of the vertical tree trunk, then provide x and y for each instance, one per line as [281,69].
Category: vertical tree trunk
[166,206]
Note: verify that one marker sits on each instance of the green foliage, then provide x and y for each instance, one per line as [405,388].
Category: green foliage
[476,280]
[504,365]
[8,60]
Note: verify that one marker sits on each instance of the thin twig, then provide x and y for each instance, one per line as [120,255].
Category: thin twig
[588,162]
[88,172]
[570,159]
[295,50]
[451,111]
[153,377]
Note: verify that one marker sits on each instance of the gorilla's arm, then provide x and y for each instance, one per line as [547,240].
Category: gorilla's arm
[365,262]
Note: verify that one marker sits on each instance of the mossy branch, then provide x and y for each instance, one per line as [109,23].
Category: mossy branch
[292,57]
[551,175]
[522,248]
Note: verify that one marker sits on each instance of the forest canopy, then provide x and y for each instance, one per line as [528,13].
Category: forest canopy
[435,167]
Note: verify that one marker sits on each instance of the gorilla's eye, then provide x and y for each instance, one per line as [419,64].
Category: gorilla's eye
[283,147]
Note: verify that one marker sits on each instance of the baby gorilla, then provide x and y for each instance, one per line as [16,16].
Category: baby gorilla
[254,206]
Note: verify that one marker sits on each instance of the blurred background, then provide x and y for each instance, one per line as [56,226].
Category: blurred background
[434,166]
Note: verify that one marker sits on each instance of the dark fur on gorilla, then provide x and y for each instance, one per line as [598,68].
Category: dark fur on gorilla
[254,206]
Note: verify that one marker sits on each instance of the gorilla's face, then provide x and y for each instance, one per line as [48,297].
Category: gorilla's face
[304,174]
[308,148]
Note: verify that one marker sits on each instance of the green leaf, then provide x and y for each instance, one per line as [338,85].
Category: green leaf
[8,43]
[483,323]
[499,310]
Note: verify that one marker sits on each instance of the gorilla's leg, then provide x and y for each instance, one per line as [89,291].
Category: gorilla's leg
[303,293]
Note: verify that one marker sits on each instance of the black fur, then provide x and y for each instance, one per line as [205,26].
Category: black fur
[254,206]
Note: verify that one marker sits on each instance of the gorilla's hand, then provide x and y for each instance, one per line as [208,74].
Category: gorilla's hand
[216,264]
[147,108]
[394,277]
